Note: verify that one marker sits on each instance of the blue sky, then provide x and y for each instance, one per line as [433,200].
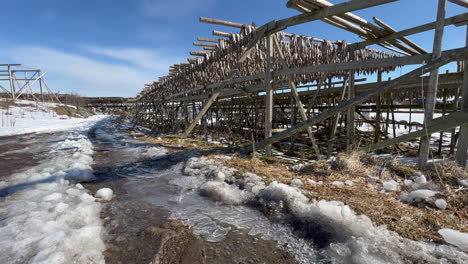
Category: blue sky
[112,48]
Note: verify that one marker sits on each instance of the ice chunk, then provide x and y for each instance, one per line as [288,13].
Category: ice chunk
[408,183]
[338,183]
[296,183]
[455,238]
[391,186]
[105,194]
[416,196]
[420,180]
[221,191]
[463,182]
[441,204]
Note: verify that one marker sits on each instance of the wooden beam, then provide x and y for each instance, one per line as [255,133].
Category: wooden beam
[462,145]
[409,31]
[222,34]
[325,12]
[435,125]
[269,93]
[199,53]
[208,39]
[220,22]
[453,55]
[404,39]
[431,93]
[205,44]
[463,3]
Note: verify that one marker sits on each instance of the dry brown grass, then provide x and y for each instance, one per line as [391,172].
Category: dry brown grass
[6,103]
[383,209]
[63,110]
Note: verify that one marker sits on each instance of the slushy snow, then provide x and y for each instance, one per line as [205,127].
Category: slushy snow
[53,220]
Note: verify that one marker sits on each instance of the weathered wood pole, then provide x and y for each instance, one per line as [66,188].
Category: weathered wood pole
[269,93]
[462,145]
[378,111]
[350,115]
[431,97]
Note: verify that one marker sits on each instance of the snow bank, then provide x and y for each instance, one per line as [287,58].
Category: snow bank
[105,194]
[343,236]
[36,118]
[455,238]
[46,218]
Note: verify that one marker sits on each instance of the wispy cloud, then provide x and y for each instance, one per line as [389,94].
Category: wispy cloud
[171,9]
[90,76]
[142,58]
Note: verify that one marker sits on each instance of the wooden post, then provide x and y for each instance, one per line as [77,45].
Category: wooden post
[431,97]
[444,108]
[462,145]
[295,94]
[350,115]
[12,84]
[269,93]
[378,111]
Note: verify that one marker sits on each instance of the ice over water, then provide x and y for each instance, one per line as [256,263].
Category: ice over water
[46,217]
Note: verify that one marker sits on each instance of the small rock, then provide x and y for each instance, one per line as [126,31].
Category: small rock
[418,174]
[441,204]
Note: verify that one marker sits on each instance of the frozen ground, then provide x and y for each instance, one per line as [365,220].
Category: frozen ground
[29,116]
[46,216]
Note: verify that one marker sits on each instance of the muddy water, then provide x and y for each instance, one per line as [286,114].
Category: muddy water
[159,216]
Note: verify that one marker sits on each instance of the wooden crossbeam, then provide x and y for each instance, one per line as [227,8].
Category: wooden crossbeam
[208,39]
[451,56]
[409,31]
[435,125]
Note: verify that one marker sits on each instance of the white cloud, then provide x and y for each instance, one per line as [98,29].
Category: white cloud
[170,9]
[88,76]
[142,58]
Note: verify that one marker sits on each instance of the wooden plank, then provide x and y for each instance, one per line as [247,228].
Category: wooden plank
[434,126]
[220,22]
[463,3]
[403,39]
[431,93]
[269,93]
[325,13]
[455,54]
[462,145]
[208,39]
[410,31]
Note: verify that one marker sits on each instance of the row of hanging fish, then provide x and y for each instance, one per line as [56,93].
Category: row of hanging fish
[299,51]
